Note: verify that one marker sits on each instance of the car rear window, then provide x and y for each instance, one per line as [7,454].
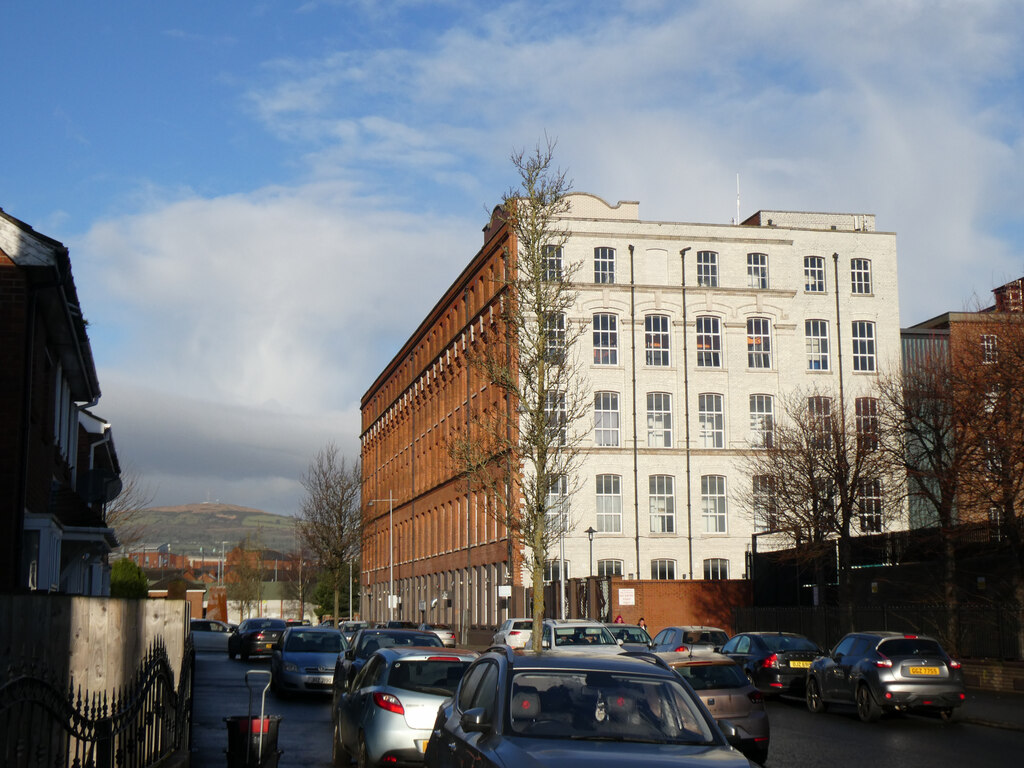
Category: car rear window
[704,677]
[583,636]
[788,643]
[907,646]
[522,625]
[314,642]
[387,641]
[437,676]
[711,638]
[630,634]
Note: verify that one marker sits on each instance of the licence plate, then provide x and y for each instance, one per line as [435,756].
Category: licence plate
[924,670]
[268,645]
[800,664]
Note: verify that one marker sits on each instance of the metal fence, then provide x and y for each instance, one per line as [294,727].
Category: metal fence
[970,631]
[45,724]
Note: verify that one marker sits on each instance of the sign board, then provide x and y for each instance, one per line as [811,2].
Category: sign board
[394,601]
[627,597]
[504,590]
[423,605]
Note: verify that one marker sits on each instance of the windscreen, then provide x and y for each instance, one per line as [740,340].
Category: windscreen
[704,677]
[583,636]
[439,677]
[629,634]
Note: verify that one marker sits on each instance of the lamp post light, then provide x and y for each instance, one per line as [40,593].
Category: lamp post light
[391,550]
[590,535]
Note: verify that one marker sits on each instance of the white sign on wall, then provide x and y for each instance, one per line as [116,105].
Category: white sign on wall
[504,590]
[627,597]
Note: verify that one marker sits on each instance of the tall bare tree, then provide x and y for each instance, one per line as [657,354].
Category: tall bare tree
[330,524]
[525,456]
[246,581]
[124,513]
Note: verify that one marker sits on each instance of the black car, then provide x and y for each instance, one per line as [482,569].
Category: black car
[255,637]
[775,662]
[884,671]
[365,642]
[518,708]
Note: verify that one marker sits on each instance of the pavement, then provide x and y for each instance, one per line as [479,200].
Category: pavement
[994,709]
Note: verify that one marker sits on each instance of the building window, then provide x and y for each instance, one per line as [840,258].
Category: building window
[606,419]
[707,269]
[860,275]
[716,569]
[554,411]
[609,567]
[552,568]
[814,274]
[604,265]
[712,501]
[609,504]
[866,410]
[762,421]
[554,330]
[663,569]
[711,420]
[606,339]
[557,510]
[659,420]
[661,494]
[765,503]
[863,345]
[709,342]
[819,412]
[552,266]
[869,504]
[759,342]
[656,339]
[757,270]
[989,348]
[816,337]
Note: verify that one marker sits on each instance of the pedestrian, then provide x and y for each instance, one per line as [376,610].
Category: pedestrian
[642,624]
[618,619]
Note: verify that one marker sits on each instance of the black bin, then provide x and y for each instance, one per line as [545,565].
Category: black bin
[252,741]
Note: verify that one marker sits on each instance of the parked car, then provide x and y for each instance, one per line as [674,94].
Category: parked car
[632,637]
[728,695]
[365,642]
[683,639]
[562,635]
[349,628]
[297,622]
[396,624]
[304,659]
[255,637]
[515,633]
[443,631]
[209,634]
[514,708]
[884,671]
[775,662]
[387,712]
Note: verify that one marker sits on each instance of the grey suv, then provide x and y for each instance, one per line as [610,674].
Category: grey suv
[882,671]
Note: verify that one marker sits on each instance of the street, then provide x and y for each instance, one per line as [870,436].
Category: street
[799,739]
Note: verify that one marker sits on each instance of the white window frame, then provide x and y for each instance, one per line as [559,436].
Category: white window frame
[759,343]
[860,276]
[606,339]
[557,505]
[552,263]
[762,421]
[863,336]
[711,419]
[817,344]
[608,489]
[819,413]
[555,337]
[869,504]
[866,422]
[814,274]
[989,348]
[609,567]
[716,569]
[707,269]
[709,341]
[713,504]
[765,502]
[661,502]
[604,265]
[757,270]
[663,569]
[606,419]
[556,415]
[657,338]
[659,420]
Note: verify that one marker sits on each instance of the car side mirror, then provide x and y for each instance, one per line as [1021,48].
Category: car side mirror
[475,720]
[740,739]
[350,654]
[618,641]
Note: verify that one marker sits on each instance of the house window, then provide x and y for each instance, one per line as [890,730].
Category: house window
[860,275]
[866,410]
[604,265]
[869,504]
[552,265]
[716,568]
[609,567]
[552,568]
[606,339]
[757,270]
[712,501]
[819,412]
[656,339]
[863,345]
[609,504]
[816,339]
[557,509]
[707,269]
[814,274]
[554,411]
[554,330]
[759,342]
[661,494]
[663,569]
[762,421]
[606,419]
[711,419]
[659,420]
[989,348]
[709,342]
[765,503]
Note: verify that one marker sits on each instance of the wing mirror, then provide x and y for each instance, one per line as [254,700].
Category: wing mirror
[475,720]
[740,739]
[350,654]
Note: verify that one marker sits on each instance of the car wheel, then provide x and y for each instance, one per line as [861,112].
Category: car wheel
[363,759]
[815,703]
[867,709]
[245,655]
[946,715]
[231,654]
[339,755]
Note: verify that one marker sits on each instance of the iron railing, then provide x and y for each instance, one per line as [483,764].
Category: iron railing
[45,724]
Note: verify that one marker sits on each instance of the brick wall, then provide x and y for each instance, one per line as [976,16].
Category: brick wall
[667,603]
[1003,676]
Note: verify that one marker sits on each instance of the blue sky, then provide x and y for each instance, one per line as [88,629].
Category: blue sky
[263,199]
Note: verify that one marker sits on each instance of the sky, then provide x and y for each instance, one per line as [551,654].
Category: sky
[262,200]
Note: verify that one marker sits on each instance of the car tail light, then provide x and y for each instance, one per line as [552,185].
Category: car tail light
[443,658]
[883,663]
[771,661]
[259,635]
[954,664]
[910,637]
[888,696]
[513,632]
[756,697]
[682,649]
[388,702]
[963,696]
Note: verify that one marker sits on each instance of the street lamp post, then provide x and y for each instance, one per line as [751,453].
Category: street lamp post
[391,551]
[590,535]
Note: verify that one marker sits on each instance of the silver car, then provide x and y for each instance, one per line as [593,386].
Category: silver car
[576,635]
[388,711]
[515,633]
[443,631]
[303,660]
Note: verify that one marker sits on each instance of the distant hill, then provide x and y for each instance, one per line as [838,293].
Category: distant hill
[191,526]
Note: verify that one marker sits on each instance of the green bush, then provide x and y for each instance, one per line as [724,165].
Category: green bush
[128,580]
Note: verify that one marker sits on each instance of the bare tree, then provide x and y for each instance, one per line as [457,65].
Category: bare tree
[331,524]
[525,456]
[246,577]
[822,476]
[301,577]
[124,513]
